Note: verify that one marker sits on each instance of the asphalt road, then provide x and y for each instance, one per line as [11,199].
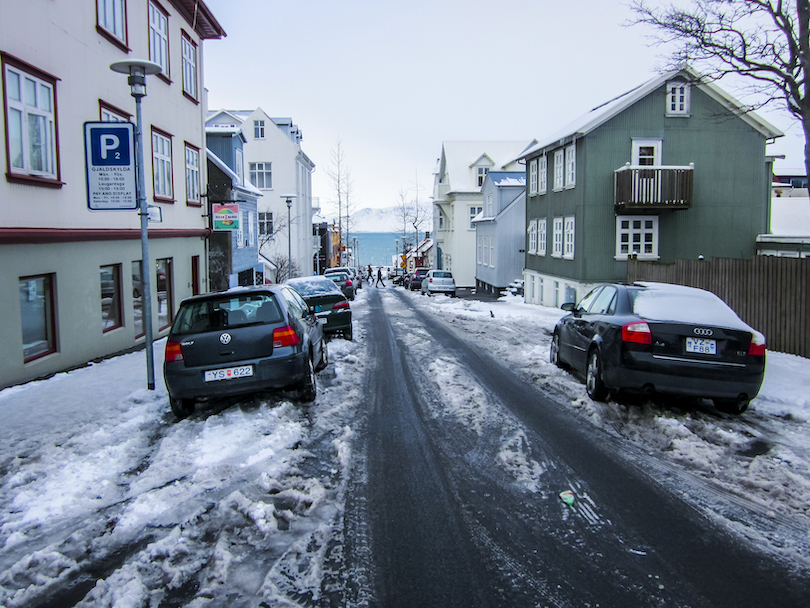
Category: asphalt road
[431,519]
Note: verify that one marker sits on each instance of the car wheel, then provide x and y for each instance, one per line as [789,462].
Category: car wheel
[308,390]
[324,357]
[593,377]
[348,334]
[732,406]
[182,408]
[554,352]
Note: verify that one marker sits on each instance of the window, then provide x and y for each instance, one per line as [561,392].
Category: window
[482,175]
[492,251]
[646,152]
[542,174]
[111,297]
[162,164]
[559,173]
[240,230]
[532,230]
[533,176]
[108,113]
[137,296]
[159,37]
[258,129]
[261,175]
[240,166]
[192,174]
[480,255]
[485,260]
[163,271]
[677,99]
[570,166]
[112,20]
[490,205]
[557,245]
[474,211]
[265,223]
[637,235]
[38,317]
[189,66]
[541,237]
[568,242]
[251,228]
[30,122]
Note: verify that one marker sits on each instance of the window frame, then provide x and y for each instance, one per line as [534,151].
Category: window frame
[25,175]
[635,152]
[533,177]
[559,170]
[137,301]
[569,237]
[630,230]
[169,290]
[571,166]
[557,242]
[49,310]
[111,110]
[159,162]
[116,300]
[164,59]
[265,171]
[542,174]
[266,223]
[532,230]
[193,199]
[190,57]
[481,173]
[684,109]
[542,236]
[258,129]
[474,211]
[122,40]
[490,205]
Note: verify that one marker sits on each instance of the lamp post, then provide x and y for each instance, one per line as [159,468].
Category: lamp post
[138,69]
[289,198]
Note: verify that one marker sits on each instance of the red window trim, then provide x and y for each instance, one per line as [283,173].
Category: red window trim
[167,75]
[199,169]
[51,296]
[103,105]
[156,198]
[110,37]
[184,34]
[119,292]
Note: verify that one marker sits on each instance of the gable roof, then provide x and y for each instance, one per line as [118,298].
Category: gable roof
[458,157]
[604,112]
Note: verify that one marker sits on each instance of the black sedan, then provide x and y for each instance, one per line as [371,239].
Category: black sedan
[343,280]
[654,337]
[328,302]
[241,341]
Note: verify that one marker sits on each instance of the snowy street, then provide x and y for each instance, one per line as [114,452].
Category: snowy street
[106,500]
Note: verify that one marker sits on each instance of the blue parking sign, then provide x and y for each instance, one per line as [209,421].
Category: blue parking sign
[110,159]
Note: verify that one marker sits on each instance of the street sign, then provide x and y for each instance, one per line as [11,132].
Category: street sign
[226,217]
[110,162]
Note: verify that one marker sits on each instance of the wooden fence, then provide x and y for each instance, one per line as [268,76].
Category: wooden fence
[771,294]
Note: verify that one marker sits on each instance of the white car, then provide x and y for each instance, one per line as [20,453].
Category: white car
[439,281]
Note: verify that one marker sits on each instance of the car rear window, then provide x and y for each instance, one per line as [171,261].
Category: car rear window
[684,305]
[315,287]
[227,311]
[443,275]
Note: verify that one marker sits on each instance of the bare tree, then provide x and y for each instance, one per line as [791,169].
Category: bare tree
[283,270]
[342,184]
[412,215]
[766,41]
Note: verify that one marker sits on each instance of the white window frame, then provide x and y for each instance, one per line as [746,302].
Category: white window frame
[482,175]
[266,223]
[37,103]
[492,252]
[162,165]
[569,233]
[474,211]
[263,169]
[258,129]
[239,160]
[158,37]
[557,243]
[490,205]
[571,166]
[251,228]
[479,250]
[190,56]
[541,236]
[532,230]
[678,99]
[655,144]
[192,175]
[533,177]
[542,174]
[641,226]
[240,230]
[559,170]
[111,16]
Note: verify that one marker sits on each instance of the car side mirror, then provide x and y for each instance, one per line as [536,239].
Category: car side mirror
[569,307]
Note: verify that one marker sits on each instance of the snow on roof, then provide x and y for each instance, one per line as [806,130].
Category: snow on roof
[604,112]
[458,156]
[245,186]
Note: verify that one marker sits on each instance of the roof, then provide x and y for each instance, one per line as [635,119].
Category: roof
[602,113]
[246,187]
[459,156]
[200,17]
[507,178]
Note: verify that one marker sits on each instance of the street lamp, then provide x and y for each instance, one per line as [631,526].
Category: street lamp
[289,198]
[138,69]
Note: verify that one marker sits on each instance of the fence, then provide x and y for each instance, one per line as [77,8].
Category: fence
[769,293]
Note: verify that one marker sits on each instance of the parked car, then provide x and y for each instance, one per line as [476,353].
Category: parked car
[413,280]
[355,277]
[654,337]
[397,276]
[328,302]
[344,281]
[439,281]
[242,341]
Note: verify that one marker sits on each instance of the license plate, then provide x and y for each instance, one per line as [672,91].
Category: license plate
[229,373]
[703,346]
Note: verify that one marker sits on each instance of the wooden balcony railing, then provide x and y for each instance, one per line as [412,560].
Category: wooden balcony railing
[654,187]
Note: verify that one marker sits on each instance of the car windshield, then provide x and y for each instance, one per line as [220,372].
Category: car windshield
[683,305]
[315,286]
[338,276]
[226,312]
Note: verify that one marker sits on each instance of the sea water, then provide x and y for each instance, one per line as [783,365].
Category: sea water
[377,248]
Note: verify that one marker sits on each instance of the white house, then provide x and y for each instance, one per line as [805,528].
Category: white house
[275,164]
[70,281]
[457,199]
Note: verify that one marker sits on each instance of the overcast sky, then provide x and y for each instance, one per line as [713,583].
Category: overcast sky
[393,79]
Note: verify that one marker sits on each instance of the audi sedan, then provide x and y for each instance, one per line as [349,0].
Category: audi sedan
[660,338]
[242,341]
[327,300]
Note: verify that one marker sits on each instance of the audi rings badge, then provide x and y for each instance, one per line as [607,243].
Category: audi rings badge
[226,338]
[702,331]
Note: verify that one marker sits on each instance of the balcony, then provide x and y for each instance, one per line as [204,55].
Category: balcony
[654,187]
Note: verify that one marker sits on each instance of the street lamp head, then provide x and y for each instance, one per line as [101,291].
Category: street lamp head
[289,198]
[138,70]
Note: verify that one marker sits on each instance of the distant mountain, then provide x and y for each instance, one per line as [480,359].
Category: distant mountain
[382,220]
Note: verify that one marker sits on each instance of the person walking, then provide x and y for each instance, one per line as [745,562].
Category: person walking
[379,278]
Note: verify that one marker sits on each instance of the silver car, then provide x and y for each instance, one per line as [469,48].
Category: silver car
[439,281]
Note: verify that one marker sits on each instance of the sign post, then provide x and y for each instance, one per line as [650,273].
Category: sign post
[110,164]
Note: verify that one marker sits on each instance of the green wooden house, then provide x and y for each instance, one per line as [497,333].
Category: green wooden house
[674,169]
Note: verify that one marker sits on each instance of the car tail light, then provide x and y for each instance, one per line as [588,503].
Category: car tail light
[757,346]
[341,305]
[637,332]
[348,283]
[173,351]
[285,336]
[431,280]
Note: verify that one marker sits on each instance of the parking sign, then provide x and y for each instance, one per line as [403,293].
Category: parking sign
[110,159]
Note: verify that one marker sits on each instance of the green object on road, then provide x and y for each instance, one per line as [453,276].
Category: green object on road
[567,497]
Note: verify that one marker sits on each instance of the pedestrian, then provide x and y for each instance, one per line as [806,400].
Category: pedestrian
[379,278]
[370,274]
